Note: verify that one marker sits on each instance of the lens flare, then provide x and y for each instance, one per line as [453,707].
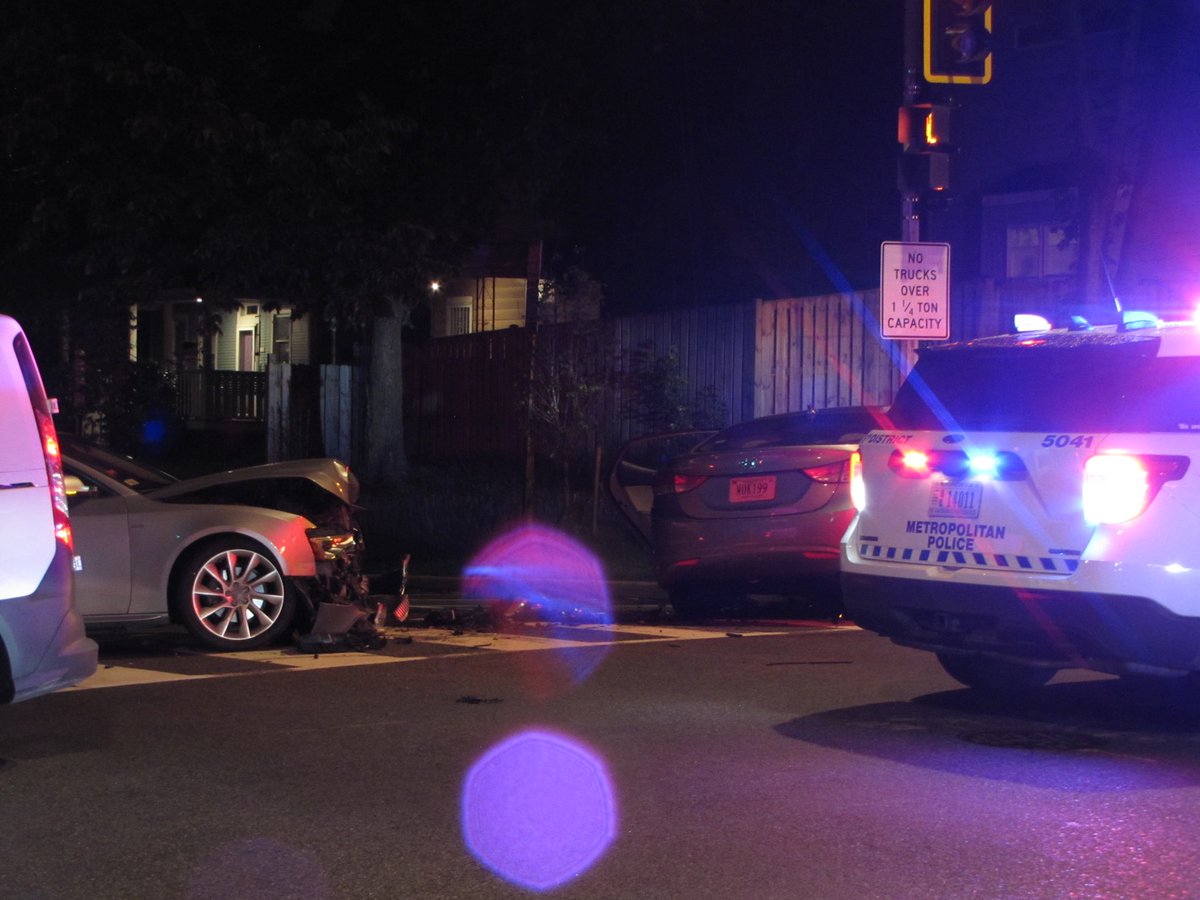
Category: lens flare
[538,565]
[536,573]
[538,809]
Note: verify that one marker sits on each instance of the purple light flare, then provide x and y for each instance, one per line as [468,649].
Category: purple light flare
[538,809]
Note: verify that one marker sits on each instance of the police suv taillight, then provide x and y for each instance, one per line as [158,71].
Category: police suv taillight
[958,465]
[1118,487]
[858,487]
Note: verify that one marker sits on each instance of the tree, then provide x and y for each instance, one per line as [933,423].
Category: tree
[330,161]
[139,161]
[662,399]
[569,376]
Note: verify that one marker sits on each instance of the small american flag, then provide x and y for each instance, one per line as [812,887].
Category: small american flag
[401,611]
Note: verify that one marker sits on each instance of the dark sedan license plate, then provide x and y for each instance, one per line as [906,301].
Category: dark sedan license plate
[747,490]
[956,500]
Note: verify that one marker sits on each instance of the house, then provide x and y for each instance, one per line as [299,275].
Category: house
[219,356]
[184,334]
[496,288]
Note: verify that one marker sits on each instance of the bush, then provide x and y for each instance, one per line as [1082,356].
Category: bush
[443,514]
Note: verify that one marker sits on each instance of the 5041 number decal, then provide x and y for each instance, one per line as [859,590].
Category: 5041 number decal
[1067,440]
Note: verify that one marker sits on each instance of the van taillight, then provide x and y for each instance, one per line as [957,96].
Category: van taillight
[1118,487]
[54,471]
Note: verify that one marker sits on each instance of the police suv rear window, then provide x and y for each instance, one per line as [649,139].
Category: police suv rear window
[1049,384]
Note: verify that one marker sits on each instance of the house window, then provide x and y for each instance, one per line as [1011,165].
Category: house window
[1035,251]
[459,319]
[281,328]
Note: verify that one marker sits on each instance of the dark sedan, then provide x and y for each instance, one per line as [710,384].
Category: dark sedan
[758,508]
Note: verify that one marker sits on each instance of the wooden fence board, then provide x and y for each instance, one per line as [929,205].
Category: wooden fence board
[818,352]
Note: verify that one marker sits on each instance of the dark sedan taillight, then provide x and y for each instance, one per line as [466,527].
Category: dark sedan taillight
[677,483]
[830,473]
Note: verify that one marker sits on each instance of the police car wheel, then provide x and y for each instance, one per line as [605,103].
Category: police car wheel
[995,675]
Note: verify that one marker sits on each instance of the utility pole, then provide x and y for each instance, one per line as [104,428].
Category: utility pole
[533,280]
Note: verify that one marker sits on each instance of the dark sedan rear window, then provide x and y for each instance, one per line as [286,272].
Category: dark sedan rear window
[794,429]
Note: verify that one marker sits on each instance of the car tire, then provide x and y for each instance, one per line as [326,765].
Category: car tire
[231,595]
[692,603]
[994,675]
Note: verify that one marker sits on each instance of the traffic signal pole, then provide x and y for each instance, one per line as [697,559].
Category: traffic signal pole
[910,212]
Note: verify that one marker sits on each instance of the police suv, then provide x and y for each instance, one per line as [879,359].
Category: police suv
[1035,505]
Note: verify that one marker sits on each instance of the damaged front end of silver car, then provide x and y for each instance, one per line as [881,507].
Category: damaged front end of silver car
[342,612]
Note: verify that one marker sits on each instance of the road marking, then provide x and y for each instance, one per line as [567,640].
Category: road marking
[282,659]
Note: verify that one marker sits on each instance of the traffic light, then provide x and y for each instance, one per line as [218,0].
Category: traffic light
[923,131]
[924,128]
[919,174]
[958,41]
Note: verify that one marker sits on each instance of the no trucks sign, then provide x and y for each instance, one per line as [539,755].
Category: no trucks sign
[914,291]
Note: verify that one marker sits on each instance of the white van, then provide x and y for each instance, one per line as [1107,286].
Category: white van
[42,642]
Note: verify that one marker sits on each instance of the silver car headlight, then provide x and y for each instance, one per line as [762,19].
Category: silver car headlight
[332,543]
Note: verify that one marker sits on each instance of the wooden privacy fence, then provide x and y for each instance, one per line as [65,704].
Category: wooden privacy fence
[828,350]
[343,408]
[464,396]
[817,352]
[714,347]
[293,412]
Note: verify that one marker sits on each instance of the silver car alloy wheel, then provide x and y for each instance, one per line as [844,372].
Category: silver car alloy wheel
[237,595]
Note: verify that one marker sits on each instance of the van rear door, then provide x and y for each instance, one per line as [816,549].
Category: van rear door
[27,543]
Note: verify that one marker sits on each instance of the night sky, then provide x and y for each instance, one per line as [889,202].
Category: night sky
[684,152]
[711,151]
[760,140]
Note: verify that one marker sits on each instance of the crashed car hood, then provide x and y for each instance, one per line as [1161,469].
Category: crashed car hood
[331,475]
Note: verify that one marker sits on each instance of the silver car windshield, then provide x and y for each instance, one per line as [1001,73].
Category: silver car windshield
[132,473]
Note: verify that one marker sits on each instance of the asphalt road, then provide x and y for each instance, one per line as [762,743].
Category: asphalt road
[734,759]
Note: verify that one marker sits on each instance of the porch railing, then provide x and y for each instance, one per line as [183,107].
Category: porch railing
[222,396]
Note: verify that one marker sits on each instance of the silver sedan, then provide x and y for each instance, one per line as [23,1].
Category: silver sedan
[238,557]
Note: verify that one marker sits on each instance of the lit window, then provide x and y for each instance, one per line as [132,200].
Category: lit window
[459,320]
